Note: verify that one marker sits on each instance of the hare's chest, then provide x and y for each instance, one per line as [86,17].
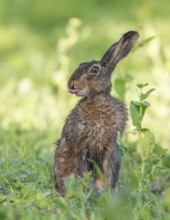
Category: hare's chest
[98,118]
[96,122]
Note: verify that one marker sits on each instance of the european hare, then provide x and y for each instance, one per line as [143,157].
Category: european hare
[91,130]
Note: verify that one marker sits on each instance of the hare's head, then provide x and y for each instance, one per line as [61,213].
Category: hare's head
[95,76]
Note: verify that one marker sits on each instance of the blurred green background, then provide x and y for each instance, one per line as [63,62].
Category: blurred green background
[41,43]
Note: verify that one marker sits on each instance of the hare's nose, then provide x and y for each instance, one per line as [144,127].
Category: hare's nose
[72,86]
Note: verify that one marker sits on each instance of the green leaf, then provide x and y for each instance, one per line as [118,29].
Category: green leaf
[158,150]
[137,112]
[142,85]
[166,161]
[145,95]
[134,113]
[147,40]
[136,103]
[144,106]
[148,142]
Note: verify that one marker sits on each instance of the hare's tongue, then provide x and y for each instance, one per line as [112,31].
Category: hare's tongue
[73,91]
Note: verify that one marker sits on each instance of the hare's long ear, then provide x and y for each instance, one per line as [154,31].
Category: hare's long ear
[119,50]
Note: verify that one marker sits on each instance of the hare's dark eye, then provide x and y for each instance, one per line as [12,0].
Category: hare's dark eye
[95,69]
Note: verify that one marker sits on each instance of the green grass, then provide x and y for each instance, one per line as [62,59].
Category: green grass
[27,188]
[41,43]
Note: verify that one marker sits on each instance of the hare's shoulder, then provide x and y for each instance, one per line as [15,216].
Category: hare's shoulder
[100,111]
[103,112]
[99,106]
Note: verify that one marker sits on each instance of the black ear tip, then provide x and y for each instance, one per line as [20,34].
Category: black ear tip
[131,34]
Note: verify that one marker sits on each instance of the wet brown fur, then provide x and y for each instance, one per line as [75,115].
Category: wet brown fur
[91,130]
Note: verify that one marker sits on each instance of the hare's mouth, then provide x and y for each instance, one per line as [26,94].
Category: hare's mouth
[74,91]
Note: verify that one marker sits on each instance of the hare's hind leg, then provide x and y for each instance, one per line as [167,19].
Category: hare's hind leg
[67,161]
[115,165]
[111,167]
[61,166]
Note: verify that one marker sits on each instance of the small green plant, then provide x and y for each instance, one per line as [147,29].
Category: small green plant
[149,153]
[138,108]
